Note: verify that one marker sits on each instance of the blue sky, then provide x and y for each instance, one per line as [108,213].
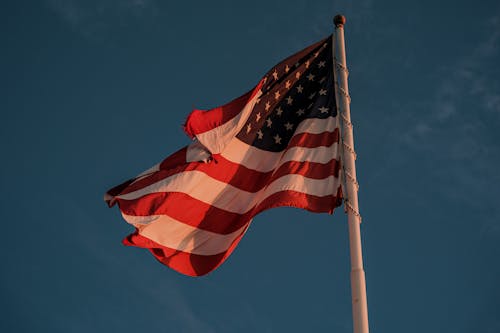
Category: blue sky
[94,92]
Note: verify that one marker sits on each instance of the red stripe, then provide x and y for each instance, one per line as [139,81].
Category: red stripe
[311,170]
[309,140]
[185,263]
[312,203]
[200,121]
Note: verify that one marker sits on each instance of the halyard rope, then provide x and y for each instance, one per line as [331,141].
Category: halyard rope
[347,124]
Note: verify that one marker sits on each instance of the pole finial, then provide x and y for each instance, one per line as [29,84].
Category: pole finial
[339,20]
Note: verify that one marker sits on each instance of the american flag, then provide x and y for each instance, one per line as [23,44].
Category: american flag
[277,145]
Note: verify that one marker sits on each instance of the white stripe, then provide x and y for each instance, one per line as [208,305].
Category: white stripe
[213,192]
[264,161]
[217,138]
[318,126]
[299,183]
[176,235]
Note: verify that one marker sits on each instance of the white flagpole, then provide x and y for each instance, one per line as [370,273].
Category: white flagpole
[358,284]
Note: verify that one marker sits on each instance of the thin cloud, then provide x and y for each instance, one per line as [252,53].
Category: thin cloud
[468,77]
[96,19]
[450,133]
[457,129]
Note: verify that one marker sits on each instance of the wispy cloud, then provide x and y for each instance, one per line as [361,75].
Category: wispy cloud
[456,127]
[97,18]
[470,77]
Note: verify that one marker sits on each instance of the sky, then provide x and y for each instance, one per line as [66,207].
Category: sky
[94,92]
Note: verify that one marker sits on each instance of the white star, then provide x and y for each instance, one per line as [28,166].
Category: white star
[268,106]
[310,77]
[316,54]
[257,117]
[312,95]
[269,122]
[260,134]
[279,111]
[323,109]
[321,64]
[310,106]
[257,101]
[249,128]
[277,139]
[287,84]
[297,64]
[322,92]
[275,75]
[297,75]
[287,69]
[289,100]
[288,126]
[277,95]
[307,64]
[300,88]
[300,112]
[322,79]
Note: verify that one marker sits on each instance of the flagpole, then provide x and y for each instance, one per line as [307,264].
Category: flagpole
[358,284]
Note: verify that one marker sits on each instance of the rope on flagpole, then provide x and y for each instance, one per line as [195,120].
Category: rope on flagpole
[341,67]
[352,179]
[354,211]
[347,123]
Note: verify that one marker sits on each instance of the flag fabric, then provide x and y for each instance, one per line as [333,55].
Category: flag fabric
[277,145]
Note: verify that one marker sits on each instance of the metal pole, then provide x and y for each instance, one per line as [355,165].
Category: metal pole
[358,284]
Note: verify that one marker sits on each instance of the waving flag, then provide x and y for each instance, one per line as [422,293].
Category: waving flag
[277,145]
